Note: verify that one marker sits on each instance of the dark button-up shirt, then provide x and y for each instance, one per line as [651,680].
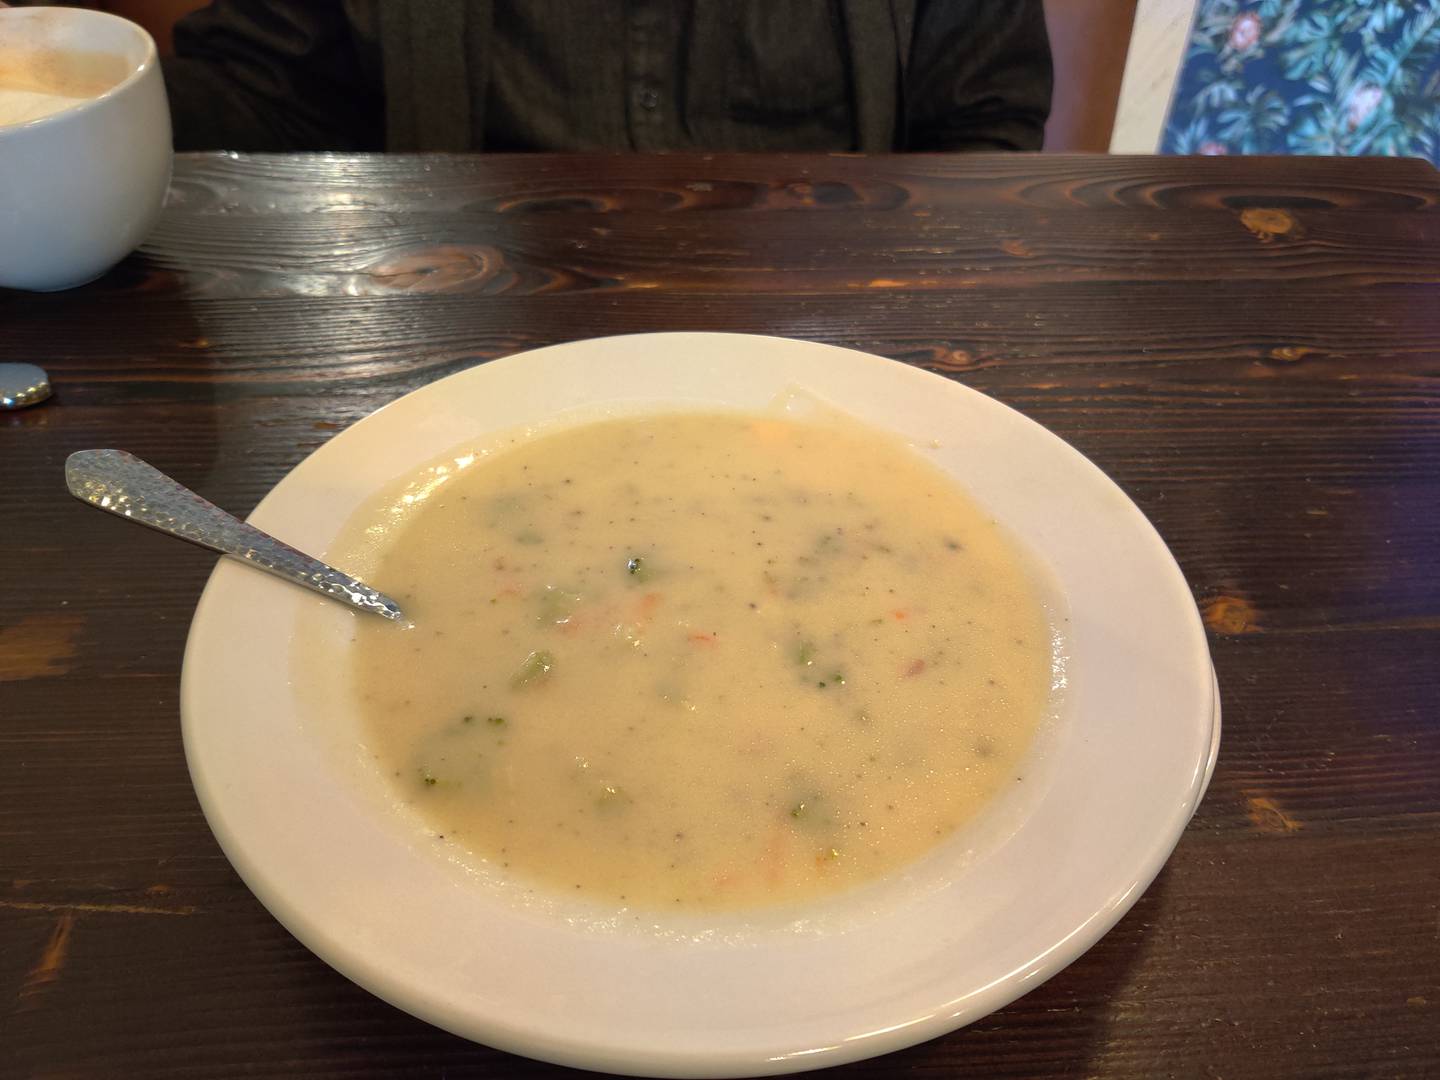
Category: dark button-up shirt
[661,75]
[611,75]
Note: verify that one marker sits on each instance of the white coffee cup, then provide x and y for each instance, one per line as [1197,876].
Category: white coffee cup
[84,144]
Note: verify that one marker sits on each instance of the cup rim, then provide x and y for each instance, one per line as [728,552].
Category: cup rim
[150,60]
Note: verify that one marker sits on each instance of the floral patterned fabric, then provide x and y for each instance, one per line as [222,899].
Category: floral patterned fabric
[1310,77]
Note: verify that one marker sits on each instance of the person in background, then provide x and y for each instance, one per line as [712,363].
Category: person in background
[648,75]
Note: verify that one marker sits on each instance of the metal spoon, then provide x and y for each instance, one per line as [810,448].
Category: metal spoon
[123,484]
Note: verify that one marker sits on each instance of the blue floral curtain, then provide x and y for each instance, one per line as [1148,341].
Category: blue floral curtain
[1310,77]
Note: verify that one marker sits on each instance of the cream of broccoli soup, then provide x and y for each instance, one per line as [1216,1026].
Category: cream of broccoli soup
[711,660]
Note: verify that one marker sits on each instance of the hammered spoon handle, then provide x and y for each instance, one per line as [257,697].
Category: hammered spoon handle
[123,484]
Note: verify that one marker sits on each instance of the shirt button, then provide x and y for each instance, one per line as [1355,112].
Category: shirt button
[648,98]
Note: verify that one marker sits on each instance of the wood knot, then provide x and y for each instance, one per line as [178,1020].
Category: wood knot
[1018,248]
[1265,814]
[801,192]
[1292,353]
[1267,224]
[944,358]
[442,268]
[52,958]
[1230,615]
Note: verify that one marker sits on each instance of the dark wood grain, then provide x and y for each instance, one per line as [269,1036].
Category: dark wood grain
[1250,347]
[264,184]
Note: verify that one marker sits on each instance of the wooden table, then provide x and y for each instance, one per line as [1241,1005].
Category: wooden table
[1251,348]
